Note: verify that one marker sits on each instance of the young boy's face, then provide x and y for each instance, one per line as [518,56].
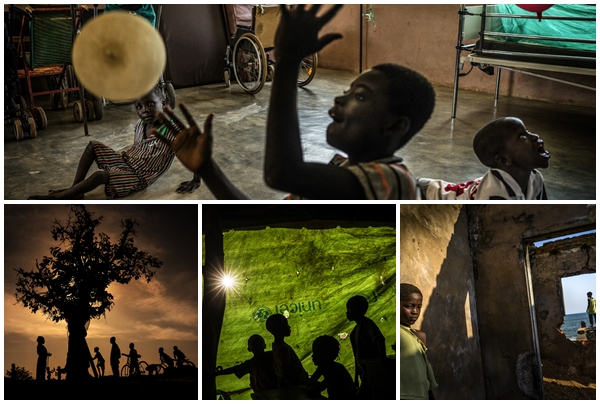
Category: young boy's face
[410,309]
[361,115]
[524,149]
[317,358]
[148,107]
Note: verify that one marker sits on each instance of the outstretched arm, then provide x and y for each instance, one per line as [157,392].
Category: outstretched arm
[297,37]
[194,149]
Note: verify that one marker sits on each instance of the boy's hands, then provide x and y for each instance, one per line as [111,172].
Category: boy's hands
[193,147]
[298,33]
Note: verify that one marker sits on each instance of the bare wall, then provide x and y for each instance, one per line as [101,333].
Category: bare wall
[423,37]
[435,256]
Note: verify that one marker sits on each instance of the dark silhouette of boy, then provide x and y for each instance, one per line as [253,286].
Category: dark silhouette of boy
[261,367]
[165,358]
[115,357]
[43,355]
[368,343]
[383,109]
[513,155]
[288,367]
[336,378]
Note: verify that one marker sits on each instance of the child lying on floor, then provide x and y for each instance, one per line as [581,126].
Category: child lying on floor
[512,153]
[131,170]
[383,109]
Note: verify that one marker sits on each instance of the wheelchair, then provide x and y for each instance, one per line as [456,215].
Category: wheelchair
[248,57]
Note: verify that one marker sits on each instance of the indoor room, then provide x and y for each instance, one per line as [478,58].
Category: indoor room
[222,60]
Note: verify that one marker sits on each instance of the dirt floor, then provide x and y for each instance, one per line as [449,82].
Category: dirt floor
[560,384]
[106,388]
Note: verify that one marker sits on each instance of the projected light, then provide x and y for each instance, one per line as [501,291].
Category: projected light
[228,281]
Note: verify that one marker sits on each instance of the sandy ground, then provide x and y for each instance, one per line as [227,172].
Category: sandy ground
[560,384]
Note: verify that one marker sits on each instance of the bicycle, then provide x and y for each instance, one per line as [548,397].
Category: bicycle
[141,368]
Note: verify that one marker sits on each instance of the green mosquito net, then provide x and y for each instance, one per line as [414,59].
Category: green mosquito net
[306,275]
[552,28]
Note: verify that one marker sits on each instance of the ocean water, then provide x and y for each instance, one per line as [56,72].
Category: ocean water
[572,323]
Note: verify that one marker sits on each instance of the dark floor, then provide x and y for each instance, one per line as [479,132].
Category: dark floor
[441,150]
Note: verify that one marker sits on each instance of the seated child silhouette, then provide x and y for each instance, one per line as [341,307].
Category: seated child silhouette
[336,379]
[416,375]
[165,358]
[260,367]
[288,367]
[383,109]
[368,343]
[141,165]
[513,155]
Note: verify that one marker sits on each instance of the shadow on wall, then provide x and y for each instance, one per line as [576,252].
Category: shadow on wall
[436,258]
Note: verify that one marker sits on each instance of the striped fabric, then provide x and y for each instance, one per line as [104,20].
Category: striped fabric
[138,167]
[385,179]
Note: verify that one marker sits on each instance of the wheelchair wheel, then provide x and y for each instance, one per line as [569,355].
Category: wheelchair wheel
[308,69]
[249,63]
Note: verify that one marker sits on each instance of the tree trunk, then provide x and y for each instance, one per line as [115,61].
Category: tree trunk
[78,354]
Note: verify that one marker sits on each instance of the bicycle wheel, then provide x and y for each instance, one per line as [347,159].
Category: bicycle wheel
[249,63]
[125,371]
[142,368]
[308,69]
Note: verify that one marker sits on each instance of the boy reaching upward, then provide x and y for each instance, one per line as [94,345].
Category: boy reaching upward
[383,109]
[513,155]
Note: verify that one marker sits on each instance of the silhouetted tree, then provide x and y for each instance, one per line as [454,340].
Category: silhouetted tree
[19,373]
[71,284]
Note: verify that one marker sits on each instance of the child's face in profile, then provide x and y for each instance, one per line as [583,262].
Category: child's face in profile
[410,309]
[360,115]
[148,107]
[317,357]
[524,149]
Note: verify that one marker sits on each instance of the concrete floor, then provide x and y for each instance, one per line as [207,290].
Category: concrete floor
[441,150]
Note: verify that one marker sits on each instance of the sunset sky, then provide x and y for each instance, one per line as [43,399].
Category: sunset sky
[162,313]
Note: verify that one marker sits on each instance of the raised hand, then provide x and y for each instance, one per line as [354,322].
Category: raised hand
[192,146]
[298,33]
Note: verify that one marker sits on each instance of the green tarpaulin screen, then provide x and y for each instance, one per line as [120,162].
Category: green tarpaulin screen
[307,275]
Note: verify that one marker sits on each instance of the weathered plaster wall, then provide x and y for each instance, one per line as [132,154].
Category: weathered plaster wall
[423,37]
[550,263]
[435,256]
[505,330]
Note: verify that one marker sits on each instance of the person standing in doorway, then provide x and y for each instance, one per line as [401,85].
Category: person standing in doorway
[591,309]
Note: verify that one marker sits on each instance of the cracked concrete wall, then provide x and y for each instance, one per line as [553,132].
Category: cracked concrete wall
[435,256]
[505,328]
[549,264]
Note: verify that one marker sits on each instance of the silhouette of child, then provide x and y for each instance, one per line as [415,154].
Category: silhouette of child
[336,379]
[368,343]
[115,357]
[132,170]
[13,372]
[416,375]
[100,364]
[383,109]
[591,309]
[179,356]
[134,367]
[513,155]
[164,358]
[260,367]
[43,355]
[288,367]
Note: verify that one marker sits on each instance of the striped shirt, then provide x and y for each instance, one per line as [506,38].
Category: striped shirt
[384,179]
[138,167]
